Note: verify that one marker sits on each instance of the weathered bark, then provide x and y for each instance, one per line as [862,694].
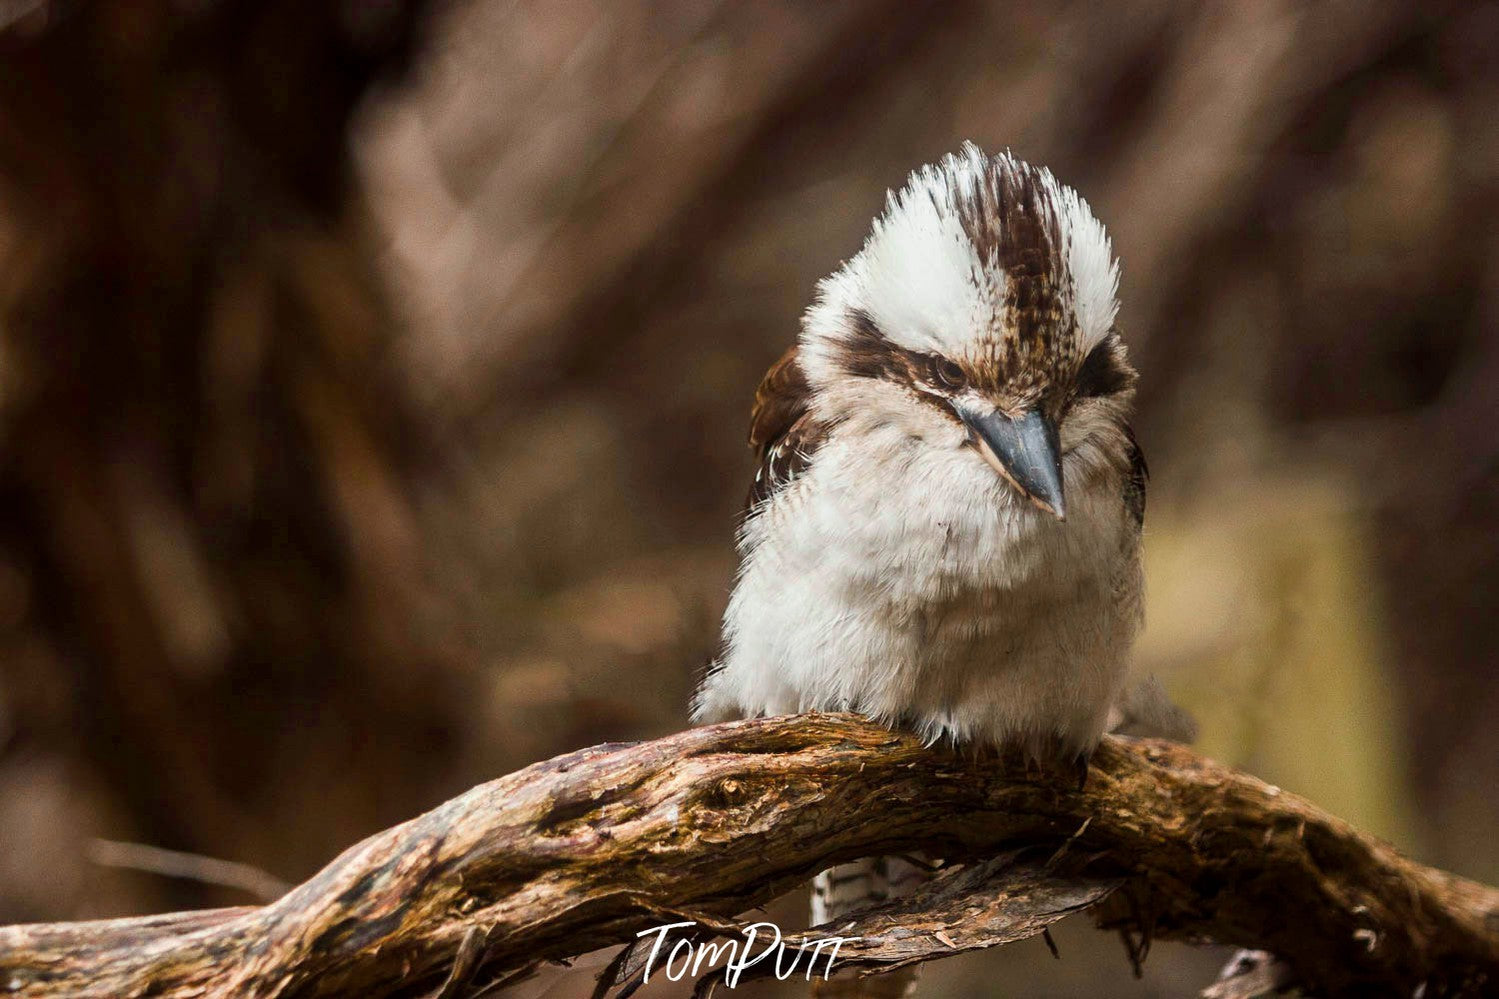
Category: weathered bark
[590,848]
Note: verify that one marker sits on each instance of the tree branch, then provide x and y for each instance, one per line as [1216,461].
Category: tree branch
[588,849]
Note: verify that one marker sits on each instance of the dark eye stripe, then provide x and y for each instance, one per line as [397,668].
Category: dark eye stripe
[867,354]
[1102,373]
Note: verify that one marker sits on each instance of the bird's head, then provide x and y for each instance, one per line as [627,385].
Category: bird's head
[979,315]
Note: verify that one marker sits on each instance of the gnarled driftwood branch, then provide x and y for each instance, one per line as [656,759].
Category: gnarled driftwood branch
[590,848]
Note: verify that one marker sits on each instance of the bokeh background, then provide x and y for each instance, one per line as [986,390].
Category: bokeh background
[374,379]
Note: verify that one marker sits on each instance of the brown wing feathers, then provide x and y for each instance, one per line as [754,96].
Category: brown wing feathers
[783,432]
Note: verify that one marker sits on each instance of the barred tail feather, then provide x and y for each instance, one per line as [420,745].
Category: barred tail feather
[838,892]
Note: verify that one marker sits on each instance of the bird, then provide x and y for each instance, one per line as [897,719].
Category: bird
[944,529]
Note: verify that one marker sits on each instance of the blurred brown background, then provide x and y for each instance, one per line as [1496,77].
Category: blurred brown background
[374,378]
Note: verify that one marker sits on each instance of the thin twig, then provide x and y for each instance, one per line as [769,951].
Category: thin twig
[187,866]
[465,963]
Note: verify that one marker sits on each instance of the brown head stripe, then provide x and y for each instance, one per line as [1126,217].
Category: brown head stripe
[1013,224]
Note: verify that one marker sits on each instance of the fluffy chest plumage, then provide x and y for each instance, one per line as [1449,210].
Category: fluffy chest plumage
[909,582]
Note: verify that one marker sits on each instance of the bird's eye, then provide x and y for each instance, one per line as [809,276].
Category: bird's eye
[950,373]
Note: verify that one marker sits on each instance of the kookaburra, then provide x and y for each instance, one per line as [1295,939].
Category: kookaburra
[944,530]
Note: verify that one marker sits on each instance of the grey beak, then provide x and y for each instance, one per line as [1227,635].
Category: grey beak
[1026,451]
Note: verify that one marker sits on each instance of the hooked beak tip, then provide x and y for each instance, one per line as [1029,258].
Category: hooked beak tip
[1026,452]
